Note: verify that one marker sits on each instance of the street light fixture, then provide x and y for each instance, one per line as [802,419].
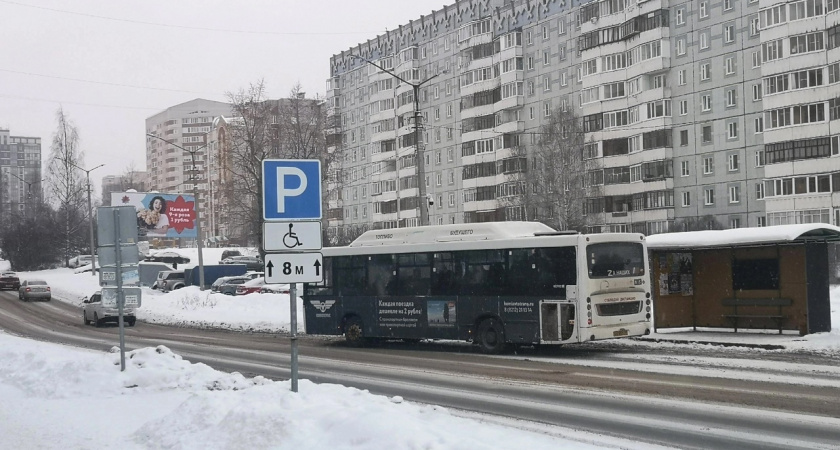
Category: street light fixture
[90,217]
[421,161]
[199,240]
[28,184]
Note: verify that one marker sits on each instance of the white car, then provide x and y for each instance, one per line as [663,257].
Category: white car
[94,312]
[79,261]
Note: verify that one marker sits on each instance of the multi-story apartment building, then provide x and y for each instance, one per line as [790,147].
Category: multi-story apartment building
[137,180]
[695,114]
[21,189]
[181,132]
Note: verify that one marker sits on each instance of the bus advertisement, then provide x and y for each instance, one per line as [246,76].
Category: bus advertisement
[493,284]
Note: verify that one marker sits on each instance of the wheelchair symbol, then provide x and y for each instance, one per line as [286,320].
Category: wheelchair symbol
[290,239]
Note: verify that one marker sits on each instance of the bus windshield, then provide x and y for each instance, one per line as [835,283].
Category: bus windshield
[615,259]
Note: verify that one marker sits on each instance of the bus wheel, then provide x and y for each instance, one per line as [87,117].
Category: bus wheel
[491,336]
[354,332]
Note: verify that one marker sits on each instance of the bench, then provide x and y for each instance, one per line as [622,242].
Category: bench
[749,302]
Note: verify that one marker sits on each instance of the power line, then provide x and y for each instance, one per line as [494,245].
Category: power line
[186,27]
[106,83]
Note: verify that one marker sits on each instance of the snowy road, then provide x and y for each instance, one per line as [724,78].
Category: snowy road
[684,397]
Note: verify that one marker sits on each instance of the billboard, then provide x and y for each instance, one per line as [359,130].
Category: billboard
[160,215]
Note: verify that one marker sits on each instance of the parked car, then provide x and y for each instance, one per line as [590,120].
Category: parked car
[230,285]
[228,253]
[221,280]
[251,286]
[169,280]
[34,290]
[275,288]
[251,262]
[9,280]
[79,261]
[93,311]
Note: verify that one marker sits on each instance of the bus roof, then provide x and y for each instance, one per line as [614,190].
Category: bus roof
[452,233]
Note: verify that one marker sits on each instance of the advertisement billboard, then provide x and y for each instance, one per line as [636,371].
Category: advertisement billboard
[160,215]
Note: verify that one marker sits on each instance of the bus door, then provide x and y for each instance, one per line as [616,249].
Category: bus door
[557,318]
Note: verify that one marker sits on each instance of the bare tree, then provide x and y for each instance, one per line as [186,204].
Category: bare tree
[552,191]
[66,186]
[707,222]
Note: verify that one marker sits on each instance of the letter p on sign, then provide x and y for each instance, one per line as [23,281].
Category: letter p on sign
[291,189]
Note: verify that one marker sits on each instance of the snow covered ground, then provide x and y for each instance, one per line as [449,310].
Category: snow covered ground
[55,396]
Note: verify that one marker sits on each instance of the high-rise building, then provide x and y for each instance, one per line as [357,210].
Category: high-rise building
[136,180]
[181,135]
[695,114]
[21,189]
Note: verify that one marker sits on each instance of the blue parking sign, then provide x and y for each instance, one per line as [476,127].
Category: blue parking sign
[291,189]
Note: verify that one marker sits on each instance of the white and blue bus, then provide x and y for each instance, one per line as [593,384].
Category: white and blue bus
[494,284]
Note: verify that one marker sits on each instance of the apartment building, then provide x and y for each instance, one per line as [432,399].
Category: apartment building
[173,137]
[137,180]
[21,189]
[687,117]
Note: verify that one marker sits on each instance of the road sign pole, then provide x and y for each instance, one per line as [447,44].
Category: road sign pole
[120,296]
[293,326]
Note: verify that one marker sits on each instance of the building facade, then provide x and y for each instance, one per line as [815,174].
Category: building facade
[181,136]
[21,189]
[136,180]
[691,112]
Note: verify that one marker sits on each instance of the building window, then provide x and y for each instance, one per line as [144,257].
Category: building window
[727,5]
[734,194]
[759,158]
[759,191]
[704,40]
[681,77]
[732,130]
[704,11]
[759,125]
[706,102]
[757,92]
[705,71]
[734,162]
[681,46]
[707,134]
[684,170]
[730,98]
[735,222]
[683,107]
[708,165]
[686,199]
[729,65]
[729,33]
[681,16]
[709,196]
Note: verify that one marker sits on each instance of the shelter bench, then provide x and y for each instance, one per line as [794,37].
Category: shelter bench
[749,302]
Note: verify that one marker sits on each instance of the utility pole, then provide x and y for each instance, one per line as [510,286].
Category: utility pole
[421,161]
[198,237]
[28,190]
[90,217]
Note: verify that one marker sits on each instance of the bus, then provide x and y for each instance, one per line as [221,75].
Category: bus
[494,284]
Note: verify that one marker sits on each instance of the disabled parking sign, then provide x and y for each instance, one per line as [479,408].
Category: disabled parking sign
[291,189]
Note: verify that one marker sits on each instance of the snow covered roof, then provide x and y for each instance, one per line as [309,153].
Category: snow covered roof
[450,233]
[745,236]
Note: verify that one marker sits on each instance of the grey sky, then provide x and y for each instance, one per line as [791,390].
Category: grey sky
[112,64]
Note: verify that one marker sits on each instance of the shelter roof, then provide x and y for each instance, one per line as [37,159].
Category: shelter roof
[745,237]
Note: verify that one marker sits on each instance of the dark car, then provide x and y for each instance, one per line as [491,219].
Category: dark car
[252,262]
[229,253]
[230,285]
[9,280]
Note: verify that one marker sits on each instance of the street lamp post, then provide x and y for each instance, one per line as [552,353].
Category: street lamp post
[28,187]
[199,240]
[90,217]
[421,161]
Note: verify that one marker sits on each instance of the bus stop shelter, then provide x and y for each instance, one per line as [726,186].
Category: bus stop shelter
[771,278]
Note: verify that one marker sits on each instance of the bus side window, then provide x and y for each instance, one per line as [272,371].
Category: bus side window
[443,275]
[349,275]
[554,267]
[414,274]
[380,275]
[520,272]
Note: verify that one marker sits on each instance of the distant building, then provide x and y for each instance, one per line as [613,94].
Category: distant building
[21,189]
[137,180]
[170,166]
[696,114]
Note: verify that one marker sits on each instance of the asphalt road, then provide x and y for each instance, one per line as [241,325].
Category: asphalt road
[684,411]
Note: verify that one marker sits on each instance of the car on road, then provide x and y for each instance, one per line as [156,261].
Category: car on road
[169,280]
[228,287]
[97,313]
[221,280]
[34,290]
[9,280]
[251,262]
[229,253]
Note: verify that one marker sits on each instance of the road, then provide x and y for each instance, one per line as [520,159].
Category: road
[551,386]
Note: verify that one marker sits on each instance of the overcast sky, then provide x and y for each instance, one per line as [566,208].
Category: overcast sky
[112,64]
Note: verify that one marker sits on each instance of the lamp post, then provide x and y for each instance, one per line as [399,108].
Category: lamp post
[421,162]
[199,240]
[90,217]
[28,187]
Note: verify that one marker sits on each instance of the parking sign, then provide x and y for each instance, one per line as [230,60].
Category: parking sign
[291,189]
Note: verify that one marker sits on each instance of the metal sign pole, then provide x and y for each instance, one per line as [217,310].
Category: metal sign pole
[293,326]
[120,295]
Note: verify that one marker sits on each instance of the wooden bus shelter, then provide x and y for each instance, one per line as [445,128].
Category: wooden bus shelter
[773,278]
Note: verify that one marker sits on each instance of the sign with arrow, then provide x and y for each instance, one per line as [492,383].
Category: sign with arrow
[294,267]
